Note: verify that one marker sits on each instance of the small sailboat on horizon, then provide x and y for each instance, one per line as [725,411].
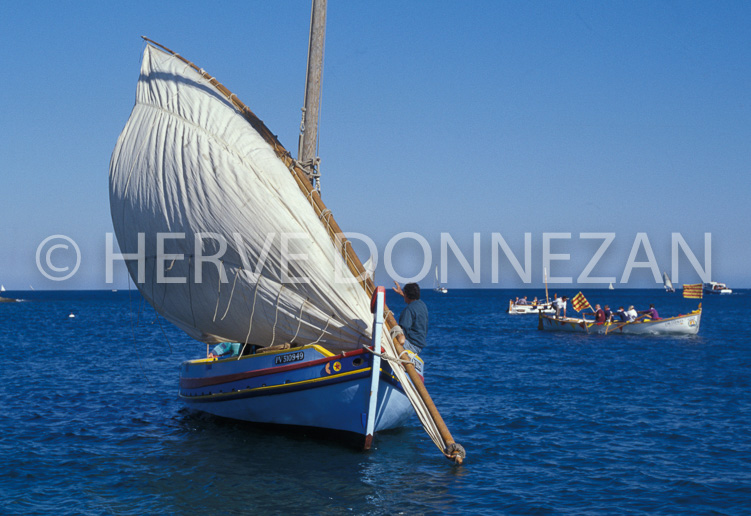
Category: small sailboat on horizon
[5,299]
[667,283]
[437,285]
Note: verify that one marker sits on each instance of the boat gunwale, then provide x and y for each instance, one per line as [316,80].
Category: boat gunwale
[195,383]
[284,388]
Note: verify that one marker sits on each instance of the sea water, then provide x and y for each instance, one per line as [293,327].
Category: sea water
[90,420]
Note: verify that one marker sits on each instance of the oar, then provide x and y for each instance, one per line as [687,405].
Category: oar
[618,327]
[627,322]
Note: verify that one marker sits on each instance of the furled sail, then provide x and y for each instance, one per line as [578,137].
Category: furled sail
[190,166]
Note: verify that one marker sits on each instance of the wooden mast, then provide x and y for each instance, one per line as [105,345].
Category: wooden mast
[308,141]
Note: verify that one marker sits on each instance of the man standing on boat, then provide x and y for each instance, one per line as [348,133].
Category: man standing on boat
[559,303]
[414,318]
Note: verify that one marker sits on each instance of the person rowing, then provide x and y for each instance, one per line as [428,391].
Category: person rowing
[651,313]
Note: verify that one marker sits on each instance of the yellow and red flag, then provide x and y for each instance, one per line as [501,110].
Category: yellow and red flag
[692,291]
[580,302]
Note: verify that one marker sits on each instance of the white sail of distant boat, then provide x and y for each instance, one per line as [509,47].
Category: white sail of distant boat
[2,288]
[437,285]
[667,283]
[610,287]
[193,161]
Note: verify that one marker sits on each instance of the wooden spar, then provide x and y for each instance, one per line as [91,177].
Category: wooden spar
[453,450]
[336,234]
[545,276]
[308,144]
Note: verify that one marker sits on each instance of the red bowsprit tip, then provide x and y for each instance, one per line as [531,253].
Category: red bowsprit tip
[375,296]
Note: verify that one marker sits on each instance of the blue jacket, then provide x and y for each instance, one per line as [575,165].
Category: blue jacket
[414,322]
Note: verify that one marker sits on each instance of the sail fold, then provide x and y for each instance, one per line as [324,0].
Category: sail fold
[233,249]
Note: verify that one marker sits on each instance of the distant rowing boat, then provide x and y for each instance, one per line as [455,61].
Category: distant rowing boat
[687,324]
[514,309]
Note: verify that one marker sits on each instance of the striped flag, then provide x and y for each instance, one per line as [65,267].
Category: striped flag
[580,302]
[692,291]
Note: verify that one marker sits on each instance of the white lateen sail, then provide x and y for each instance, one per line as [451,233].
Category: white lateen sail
[196,175]
[190,166]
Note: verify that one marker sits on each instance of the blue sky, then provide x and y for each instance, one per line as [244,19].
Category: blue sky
[453,117]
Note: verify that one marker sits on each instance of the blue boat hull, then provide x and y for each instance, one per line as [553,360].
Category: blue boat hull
[306,386]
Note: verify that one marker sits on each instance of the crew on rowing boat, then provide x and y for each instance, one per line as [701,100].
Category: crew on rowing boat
[599,315]
[559,303]
[522,301]
[651,313]
[622,314]
[608,313]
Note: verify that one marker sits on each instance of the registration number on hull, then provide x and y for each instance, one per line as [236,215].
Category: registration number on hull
[289,357]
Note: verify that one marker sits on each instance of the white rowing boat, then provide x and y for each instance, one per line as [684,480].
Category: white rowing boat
[687,324]
[516,309]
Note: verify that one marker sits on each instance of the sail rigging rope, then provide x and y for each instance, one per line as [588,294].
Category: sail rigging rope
[386,356]
[326,213]
[252,311]
[344,251]
[276,314]
[218,293]
[324,330]
[299,319]
[232,292]
[190,291]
